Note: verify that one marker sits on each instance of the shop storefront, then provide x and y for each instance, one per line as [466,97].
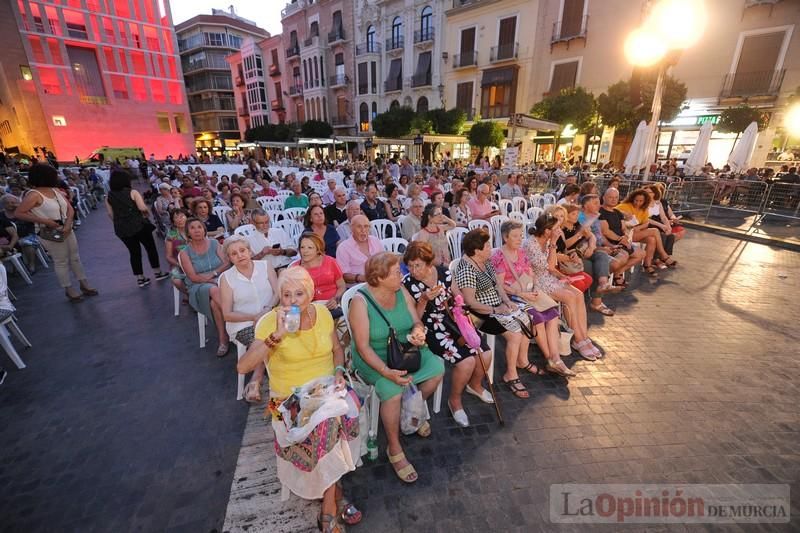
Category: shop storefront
[676,139]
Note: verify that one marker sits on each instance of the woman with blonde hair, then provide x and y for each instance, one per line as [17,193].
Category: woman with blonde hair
[312,468]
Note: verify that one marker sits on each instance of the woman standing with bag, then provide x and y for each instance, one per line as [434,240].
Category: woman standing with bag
[47,207]
[127,209]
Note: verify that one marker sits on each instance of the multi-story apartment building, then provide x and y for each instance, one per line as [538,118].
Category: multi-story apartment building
[319,49]
[399,57]
[262,94]
[78,75]
[490,56]
[749,52]
[204,41]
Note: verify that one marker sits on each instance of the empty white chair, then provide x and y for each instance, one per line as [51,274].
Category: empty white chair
[505,206]
[383,228]
[537,200]
[294,213]
[533,213]
[83,209]
[495,195]
[292,228]
[454,238]
[5,340]
[548,199]
[245,230]
[221,211]
[397,245]
[519,204]
[264,202]
[497,221]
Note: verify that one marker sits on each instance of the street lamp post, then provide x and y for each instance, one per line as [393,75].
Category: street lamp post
[672,26]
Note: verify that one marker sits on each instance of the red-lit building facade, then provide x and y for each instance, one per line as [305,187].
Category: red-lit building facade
[79,74]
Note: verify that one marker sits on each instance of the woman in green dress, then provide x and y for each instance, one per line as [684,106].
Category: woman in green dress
[384,294]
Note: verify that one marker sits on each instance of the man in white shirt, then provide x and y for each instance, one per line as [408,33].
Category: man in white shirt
[353,209]
[271,244]
[413,221]
[510,189]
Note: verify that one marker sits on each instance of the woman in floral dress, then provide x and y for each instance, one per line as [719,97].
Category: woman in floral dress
[429,285]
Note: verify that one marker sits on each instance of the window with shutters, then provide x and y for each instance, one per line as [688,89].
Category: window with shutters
[371,39]
[506,40]
[757,69]
[498,92]
[394,82]
[363,82]
[464,98]
[564,76]
[573,21]
[467,54]
[422,76]
[422,105]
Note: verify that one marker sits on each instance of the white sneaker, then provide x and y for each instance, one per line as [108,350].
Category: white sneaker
[459,416]
[485,396]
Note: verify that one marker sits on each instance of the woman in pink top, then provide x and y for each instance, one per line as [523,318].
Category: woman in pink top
[480,207]
[329,285]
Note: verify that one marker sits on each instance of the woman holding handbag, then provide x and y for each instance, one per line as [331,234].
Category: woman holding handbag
[429,285]
[514,272]
[46,206]
[567,260]
[381,311]
[126,207]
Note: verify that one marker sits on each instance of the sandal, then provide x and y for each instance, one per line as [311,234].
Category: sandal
[223,349]
[407,474]
[88,290]
[619,281]
[517,388]
[348,513]
[603,309]
[560,368]
[609,289]
[532,369]
[424,430]
[587,352]
[671,262]
[651,271]
[252,392]
[73,296]
[333,524]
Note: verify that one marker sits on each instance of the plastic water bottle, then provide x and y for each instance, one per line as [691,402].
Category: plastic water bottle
[372,447]
[293,319]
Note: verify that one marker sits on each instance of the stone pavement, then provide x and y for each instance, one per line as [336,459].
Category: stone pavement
[120,423]
[698,387]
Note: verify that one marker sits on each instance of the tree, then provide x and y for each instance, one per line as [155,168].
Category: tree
[447,122]
[316,129]
[573,106]
[396,122]
[736,119]
[485,134]
[623,106]
[271,133]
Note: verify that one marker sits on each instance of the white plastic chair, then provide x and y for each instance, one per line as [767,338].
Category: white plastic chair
[490,339]
[283,195]
[518,217]
[202,320]
[548,199]
[5,340]
[221,211]
[264,202]
[16,260]
[244,230]
[176,297]
[397,245]
[240,351]
[533,213]
[496,196]
[294,213]
[454,238]
[83,207]
[478,223]
[292,228]
[497,221]
[399,224]
[519,204]
[380,226]
[537,200]
[506,206]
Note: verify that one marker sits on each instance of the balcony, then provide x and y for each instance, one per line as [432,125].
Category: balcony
[292,8]
[277,104]
[753,3]
[395,43]
[423,36]
[368,48]
[393,86]
[206,64]
[243,112]
[504,52]
[341,122]
[421,80]
[465,59]
[567,30]
[336,36]
[274,70]
[296,90]
[338,80]
[752,84]
[467,3]
[200,105]
[293,52]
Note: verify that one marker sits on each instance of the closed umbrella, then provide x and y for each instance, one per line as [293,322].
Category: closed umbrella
[635,158]
[697,158]
[739,159]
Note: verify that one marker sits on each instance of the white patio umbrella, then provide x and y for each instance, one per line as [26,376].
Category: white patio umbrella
[635,158]
[739,158]
[699,155]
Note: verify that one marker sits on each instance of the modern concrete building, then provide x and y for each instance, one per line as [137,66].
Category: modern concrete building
[262,93]
[204,41]
[400,56]
[749,52]
[77,75]
[319,50]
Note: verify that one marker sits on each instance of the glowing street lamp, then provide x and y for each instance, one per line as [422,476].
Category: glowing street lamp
[792,120]
[672,26]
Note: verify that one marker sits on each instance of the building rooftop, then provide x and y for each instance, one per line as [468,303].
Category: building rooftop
[221,18]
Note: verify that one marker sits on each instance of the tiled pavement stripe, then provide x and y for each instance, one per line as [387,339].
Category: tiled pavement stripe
[255,504]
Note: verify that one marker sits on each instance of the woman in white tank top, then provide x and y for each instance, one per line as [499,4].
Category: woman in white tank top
[46,206]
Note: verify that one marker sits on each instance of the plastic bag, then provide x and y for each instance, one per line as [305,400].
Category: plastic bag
[312,403]
[413,410]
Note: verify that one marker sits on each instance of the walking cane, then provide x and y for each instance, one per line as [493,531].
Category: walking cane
[491,387]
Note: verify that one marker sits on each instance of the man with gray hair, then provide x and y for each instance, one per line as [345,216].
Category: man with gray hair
[328,198]
[336,212]
[271,244]
[413,221]
[353,209]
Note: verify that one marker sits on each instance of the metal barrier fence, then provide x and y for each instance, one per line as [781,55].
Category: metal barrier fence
[783,201]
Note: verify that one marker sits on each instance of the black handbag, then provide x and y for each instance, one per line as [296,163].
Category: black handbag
[399,355]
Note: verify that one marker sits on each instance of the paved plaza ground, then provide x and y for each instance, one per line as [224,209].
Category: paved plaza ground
[120,422]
